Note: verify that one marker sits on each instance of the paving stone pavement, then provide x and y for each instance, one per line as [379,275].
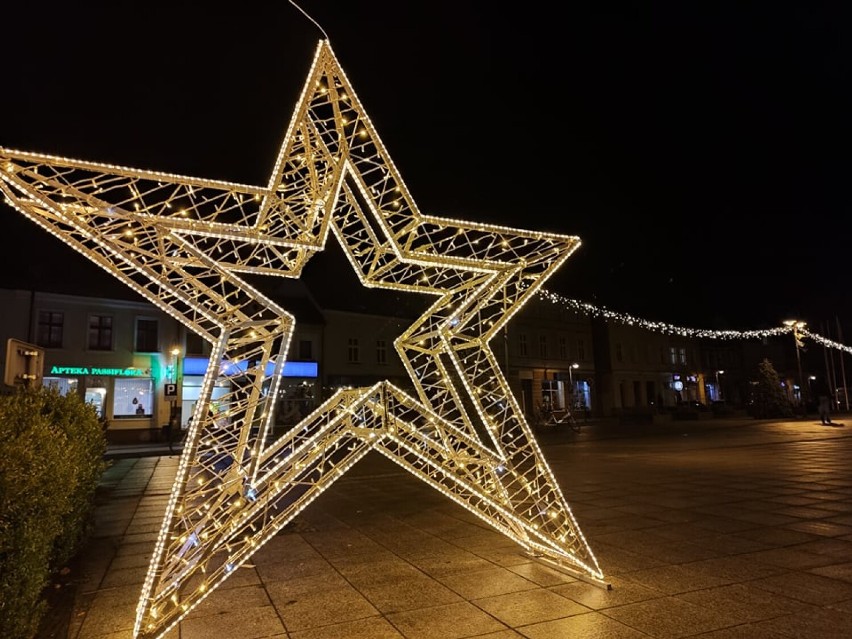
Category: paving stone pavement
[719,529]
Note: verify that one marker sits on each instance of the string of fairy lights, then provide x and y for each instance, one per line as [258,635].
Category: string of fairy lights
[184,244]
[586,308]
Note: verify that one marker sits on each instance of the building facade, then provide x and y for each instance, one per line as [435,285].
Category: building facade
[141,369]
[548,355]
[117,354]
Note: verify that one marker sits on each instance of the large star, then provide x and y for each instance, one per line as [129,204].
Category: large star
[183,243]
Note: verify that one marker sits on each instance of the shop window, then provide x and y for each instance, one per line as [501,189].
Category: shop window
[95,397]
[147,340]
[306,350]
[353,354]
[381,352]
[100,332]
[50,325]
[553,394]
[191,393]
[63,385]
[133,397]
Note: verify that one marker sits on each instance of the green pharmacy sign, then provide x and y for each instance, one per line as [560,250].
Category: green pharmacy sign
[94,370]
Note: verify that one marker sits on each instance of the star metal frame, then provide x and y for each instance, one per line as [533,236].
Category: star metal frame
[183,243]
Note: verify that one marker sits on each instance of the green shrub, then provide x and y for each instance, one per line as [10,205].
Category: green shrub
[51,458]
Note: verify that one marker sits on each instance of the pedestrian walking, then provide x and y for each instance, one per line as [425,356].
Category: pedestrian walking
[825,409]
[824,404]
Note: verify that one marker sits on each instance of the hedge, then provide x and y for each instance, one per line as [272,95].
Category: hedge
[51,460]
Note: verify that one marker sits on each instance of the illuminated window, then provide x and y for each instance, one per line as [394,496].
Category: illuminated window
[100,332]
[672,355]
[147,339]
[381,352]
[353,354]
[50,329]
[133,397]
[682,355]
[63,385]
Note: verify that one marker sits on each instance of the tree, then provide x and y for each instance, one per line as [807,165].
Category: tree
[768,397]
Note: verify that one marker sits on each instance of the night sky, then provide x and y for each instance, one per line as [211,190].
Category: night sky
[700,150]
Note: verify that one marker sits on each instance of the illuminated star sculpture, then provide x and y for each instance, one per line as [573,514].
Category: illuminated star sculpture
[183,243]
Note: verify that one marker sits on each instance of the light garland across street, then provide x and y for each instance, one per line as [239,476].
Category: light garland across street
[671,329]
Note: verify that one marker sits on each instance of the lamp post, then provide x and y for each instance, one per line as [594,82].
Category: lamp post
[718,385]
[797,326]
[571,369]
[175,353]
[174,411]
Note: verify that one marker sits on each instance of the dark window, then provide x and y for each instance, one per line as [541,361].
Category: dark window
[619,357]
[522,345]
[353,353]
[563,347]
[542,345]
[650,393]
[306,350]
[100,332]
[381,352]
[581,350]
[50,329]
[147,340]
[194,344]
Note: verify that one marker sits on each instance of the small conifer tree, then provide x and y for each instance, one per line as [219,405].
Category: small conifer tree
[768,396]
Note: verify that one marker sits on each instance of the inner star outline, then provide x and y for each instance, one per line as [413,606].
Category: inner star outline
[184,244]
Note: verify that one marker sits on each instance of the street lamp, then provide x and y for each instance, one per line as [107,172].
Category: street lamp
[571,368]
[718,386]
[175,353]
[571,374]
[797,326]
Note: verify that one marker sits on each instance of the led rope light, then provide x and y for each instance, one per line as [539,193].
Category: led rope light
[183,243]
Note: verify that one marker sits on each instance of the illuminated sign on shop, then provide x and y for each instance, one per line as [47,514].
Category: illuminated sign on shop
[95,370]
[198,366]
